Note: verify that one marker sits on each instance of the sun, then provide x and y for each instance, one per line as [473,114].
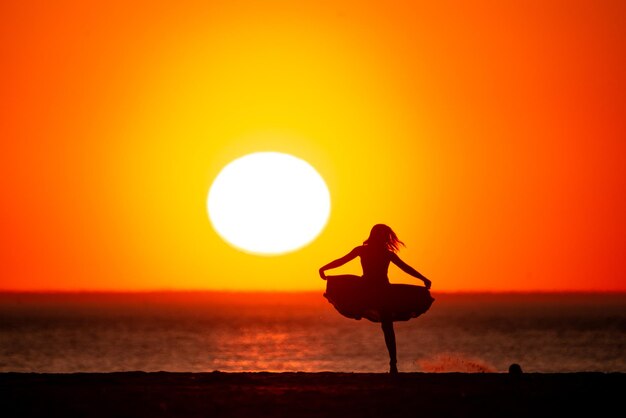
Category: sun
[268,203]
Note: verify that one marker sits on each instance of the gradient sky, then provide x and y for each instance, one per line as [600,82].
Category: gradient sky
[490,135]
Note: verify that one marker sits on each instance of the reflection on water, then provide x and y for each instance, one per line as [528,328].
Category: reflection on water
[302,332]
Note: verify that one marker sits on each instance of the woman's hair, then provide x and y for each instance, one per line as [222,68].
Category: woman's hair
[382,235]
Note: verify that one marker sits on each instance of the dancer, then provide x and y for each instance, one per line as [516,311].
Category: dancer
[371,296]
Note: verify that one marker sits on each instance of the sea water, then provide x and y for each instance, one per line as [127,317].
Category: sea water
[231,332]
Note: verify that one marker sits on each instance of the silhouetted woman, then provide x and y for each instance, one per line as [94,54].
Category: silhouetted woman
[371,296]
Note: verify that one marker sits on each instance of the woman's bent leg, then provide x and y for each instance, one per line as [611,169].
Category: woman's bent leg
[390,341]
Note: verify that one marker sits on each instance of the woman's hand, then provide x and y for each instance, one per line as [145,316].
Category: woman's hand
[322,274]
[427,283]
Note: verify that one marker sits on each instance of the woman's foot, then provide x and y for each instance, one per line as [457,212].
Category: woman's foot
[392,367]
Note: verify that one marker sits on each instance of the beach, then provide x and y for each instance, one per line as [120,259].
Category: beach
[294,356]
[299,394]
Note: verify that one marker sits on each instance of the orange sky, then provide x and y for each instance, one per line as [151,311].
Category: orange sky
[489,135]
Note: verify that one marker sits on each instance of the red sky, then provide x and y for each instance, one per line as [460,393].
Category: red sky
[489,135]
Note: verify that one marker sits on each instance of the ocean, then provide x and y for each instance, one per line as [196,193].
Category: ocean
[231,332]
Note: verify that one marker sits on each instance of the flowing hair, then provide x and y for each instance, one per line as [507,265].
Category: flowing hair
[383,236]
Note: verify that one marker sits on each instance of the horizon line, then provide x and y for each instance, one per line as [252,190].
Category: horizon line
[179,291]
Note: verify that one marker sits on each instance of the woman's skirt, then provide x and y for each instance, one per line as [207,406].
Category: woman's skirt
[355,297]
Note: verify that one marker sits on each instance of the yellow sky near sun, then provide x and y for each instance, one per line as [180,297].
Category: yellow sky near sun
[488,135]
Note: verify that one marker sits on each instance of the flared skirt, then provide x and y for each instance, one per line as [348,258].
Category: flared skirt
[355,297]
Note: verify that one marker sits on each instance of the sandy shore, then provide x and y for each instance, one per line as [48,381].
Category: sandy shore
[164,394]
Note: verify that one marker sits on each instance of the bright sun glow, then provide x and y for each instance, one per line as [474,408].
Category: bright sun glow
[268,203]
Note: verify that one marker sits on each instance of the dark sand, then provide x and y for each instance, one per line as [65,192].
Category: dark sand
[217,394]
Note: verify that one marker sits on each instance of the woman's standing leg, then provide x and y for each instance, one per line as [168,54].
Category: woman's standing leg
[390,341]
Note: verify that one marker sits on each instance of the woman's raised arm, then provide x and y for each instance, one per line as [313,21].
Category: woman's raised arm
[339,262]
[409,270]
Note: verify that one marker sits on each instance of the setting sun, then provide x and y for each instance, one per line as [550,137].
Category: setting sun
[268,203]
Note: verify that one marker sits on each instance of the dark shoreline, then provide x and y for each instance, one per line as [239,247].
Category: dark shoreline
[300,394]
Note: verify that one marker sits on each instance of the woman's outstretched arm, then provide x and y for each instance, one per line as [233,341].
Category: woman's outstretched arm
[339,262]
[409,270]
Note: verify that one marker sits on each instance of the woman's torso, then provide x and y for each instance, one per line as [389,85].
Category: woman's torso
[375,263]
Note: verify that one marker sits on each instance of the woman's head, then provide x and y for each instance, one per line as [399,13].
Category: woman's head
[383,236]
